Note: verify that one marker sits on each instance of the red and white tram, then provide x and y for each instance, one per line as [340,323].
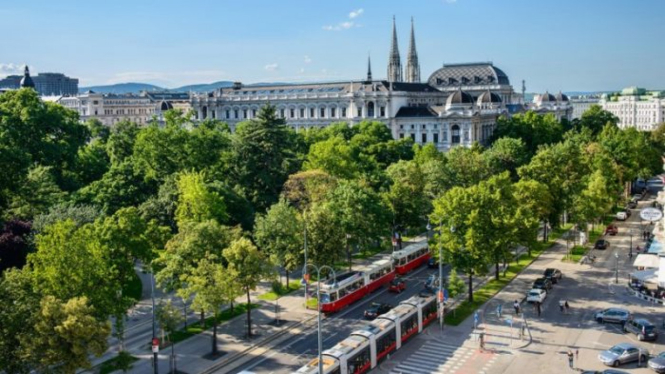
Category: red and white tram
[411,257]
[347,288]
[364,349]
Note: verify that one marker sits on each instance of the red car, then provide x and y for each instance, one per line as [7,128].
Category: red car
[397,285]
[611,230]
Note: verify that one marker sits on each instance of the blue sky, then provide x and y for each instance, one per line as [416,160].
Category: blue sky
[555,45]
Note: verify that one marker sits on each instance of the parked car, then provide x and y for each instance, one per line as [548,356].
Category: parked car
[543,284]
[397,285]
[622,354]
[377,309]
[613,315]
[554,275]
[631,205]
[623,215]
[606,371]
[611,230]
[536,295]
[644,329]
[601,244]
[657,363]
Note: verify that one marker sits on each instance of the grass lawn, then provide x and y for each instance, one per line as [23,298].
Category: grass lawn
[122,360]
[272,295]
[492,287]
[223,316]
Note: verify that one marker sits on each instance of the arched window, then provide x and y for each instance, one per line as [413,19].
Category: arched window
[370,109]
[455,134]
[204,112]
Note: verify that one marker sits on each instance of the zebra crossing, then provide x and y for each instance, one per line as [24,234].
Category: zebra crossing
[437,357]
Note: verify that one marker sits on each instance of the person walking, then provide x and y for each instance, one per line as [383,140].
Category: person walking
[630,255]
[570,359]
[516,305]
[577,355]
[538,307]
[566,306]
[562,305]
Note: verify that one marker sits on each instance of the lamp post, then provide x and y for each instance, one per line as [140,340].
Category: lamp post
[154,325]
[616,273]
[441,291]
[318,305]
[630,250]
[305,275]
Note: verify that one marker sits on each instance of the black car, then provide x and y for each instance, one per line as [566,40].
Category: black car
[644,329]
[377,309]
[432,263]
[601,244]
[542,284]
[552,274]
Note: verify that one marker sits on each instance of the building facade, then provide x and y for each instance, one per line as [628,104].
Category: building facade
[458,105]
[582,103]
[46,84]
[636,107]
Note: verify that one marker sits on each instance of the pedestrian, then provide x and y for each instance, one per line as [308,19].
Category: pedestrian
[498,310]
[570,359]
[566,306]
[630,255]
[562,304]
[577,355]
[516,305]
[538,307]
[481,336]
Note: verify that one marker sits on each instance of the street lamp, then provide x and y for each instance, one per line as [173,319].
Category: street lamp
[441,291]
[616,273]
[318,305]
[154,325]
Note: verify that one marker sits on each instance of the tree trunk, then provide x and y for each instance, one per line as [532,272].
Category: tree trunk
[496,271]
[287,278]
[249,316]
[470,287]
[214,334]
[231,307]
[184,308]
[348,254]
[203,320]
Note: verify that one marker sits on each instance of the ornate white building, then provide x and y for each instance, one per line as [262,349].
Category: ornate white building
[636,107]
[459,104]
[558,104]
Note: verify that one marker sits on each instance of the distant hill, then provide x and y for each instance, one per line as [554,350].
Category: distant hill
[122,88]
[203,87]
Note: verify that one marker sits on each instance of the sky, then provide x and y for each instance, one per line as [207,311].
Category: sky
[567,45]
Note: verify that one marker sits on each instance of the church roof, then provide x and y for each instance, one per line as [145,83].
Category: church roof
[547,97]
[561,97]
[26,81]
[489,97]
[410,87]
[459,97]
[469,74]
[415,111]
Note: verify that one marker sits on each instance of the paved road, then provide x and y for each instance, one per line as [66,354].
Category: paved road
[299,350]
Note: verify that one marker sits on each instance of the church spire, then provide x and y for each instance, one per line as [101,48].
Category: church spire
[369,69]
[412,67]
[394,64]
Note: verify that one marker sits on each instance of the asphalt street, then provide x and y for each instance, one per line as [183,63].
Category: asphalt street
[300,349]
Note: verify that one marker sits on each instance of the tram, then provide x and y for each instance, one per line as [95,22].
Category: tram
[349,287]
[364,349]
[411,257]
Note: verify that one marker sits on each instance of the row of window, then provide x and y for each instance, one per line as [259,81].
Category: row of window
[236,113]
[360,362]
[380,272]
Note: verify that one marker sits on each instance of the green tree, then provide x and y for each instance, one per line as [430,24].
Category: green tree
[595,119]
[360,213]
[37,194]
[279,233]
[305,188]
[210,282]
[534,129]
[325,239]
[455,284]
[405,197]
[120,144]
[506,154]
[169,319]
[66,335]
[196,202]
[534,205]
[262,157]
[249,266]
[79,214]
[335,157]
[465,167]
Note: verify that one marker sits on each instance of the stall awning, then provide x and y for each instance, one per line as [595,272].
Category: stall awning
[647,261]
[656,247]
[650,275]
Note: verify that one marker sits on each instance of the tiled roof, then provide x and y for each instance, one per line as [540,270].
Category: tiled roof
[454,75]
[416,111]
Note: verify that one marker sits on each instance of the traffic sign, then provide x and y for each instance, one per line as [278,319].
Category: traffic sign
[155,345]
[651,214]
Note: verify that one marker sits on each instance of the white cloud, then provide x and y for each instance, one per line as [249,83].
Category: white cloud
[11,69]
[308,60]
[356,13]
[271,67]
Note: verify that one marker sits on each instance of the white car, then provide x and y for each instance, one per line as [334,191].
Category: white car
[622,216]
[536,295]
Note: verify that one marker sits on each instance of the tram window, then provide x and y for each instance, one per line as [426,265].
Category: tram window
[409,324]
[386,341]
[357,362]
[402,261]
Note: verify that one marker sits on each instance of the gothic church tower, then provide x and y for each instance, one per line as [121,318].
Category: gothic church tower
[394,63]
[412,67]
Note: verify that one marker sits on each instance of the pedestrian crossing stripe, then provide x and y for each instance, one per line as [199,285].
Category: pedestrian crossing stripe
[434,357]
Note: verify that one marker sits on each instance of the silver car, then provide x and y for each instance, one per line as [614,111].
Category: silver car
[623,353]
[613,315]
